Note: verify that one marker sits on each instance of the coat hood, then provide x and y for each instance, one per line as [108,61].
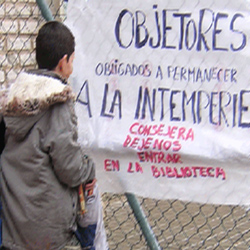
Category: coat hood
[25,102]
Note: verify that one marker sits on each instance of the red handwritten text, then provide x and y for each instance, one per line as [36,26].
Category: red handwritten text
[187,172]
[146,143]
[158,157]
[111,165]
[136,168]
[172,132]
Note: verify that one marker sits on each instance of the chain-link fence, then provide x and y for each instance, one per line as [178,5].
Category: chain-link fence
[176,224]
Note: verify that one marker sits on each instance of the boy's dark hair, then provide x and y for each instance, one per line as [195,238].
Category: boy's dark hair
[54,40]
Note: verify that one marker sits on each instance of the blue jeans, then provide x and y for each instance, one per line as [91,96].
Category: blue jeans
[86,236]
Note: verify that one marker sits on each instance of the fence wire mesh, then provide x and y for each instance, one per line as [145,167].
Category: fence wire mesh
[176,224]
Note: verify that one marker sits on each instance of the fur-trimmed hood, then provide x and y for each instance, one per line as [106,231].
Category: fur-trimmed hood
[28,98]
[33,92]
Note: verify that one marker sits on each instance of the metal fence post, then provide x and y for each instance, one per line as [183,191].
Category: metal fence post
[141,218]
[46,13]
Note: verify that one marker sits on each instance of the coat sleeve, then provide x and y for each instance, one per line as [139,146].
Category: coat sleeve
[2,134]
[69,163]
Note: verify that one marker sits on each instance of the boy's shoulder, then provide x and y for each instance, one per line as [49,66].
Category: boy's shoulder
[32,93]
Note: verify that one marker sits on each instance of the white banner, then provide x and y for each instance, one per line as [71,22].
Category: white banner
[164,96]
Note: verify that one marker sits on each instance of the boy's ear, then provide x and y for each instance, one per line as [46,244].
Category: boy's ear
[61,64]
[62,61]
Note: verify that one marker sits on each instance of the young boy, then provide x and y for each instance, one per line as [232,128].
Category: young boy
[42,163]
